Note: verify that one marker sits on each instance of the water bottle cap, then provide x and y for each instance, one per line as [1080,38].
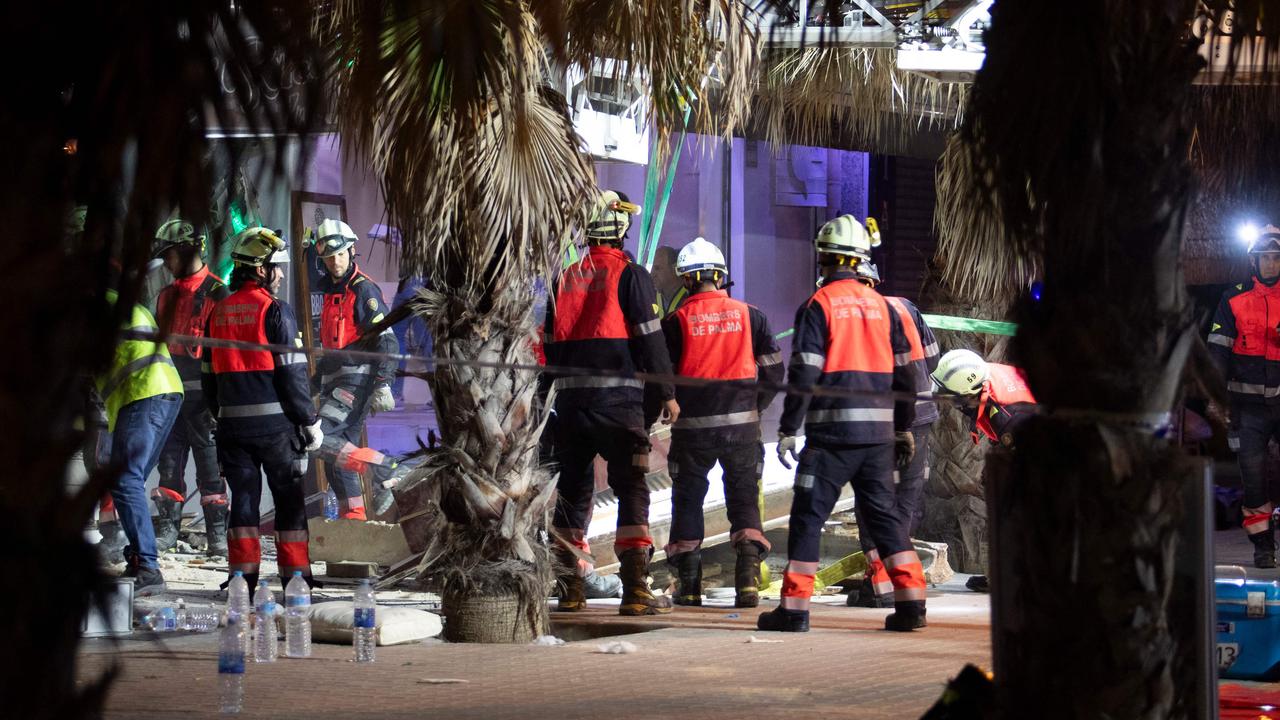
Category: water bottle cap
[262,582]
[239,573]
[297,573]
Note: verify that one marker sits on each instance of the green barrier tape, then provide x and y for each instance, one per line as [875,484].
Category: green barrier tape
[989,327]
[948,322]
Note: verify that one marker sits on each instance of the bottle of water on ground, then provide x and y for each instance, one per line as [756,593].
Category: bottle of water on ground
[231,665]
[297,617]
[238,606]
[364,634]
[265,644]
[162,619]
[330,505]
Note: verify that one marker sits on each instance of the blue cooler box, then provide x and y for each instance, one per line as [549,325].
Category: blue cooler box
[1248,626]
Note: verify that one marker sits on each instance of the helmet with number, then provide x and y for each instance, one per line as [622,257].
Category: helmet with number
[846,237]
[257,247]
[334,236]
[962,372]
[698,257]
[868,273]
[1268,241]
[177,232]
[611,218]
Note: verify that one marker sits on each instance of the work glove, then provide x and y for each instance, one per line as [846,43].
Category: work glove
[309,437]
[383,400]
[787,444]
[904,448]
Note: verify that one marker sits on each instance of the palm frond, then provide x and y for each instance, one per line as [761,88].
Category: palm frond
[974,260]
[851,97]
[675,46]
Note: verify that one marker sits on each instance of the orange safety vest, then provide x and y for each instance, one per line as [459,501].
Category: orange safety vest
[1006,386]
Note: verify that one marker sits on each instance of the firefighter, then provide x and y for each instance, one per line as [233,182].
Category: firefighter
[671,289]
[1245,347]
[848,338]
[603,318]
[995,398]
[141,394]
[262,400]
[876,589]
[714,337]
[350,389]
[183,308]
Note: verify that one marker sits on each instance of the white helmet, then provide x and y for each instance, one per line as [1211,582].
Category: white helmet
[846,236]
[962,372]
[334,236]
[611,218]
[177,232]
[257,246]
[1268,241]
[700,255]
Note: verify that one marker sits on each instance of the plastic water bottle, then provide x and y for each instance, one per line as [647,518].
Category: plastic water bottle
[238,606]
[163,619]
[231,665]
[265,645]
[297,617]
[364,635]
[330,505]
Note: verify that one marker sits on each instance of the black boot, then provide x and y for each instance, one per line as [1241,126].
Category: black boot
[865,596]
[688,569]
[1264,547]
[168,520]
[215,530]
[637,598]
[907,615]
[783,620]
[978,583]
[569,584]
[746,575]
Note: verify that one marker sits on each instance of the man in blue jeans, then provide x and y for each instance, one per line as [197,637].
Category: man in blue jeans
[142,393]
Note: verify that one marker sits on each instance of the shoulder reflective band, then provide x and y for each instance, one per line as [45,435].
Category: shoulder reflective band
[949,322]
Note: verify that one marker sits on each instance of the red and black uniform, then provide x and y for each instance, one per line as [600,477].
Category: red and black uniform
[1005,402]
[260,398]
[911,480]
[603,319]
[183,308]
[352,305]
[1245,346]
[849,338]
[714,337]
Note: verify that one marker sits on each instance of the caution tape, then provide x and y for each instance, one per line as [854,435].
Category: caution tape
[950,322]
[369,356]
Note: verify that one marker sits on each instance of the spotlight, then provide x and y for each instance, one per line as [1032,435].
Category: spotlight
[1248,232]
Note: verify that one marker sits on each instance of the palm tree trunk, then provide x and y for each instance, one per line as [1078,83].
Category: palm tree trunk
[1087,510]
[485,496]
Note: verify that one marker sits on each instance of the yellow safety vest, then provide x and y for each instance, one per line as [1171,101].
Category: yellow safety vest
[141,368]
[665,308]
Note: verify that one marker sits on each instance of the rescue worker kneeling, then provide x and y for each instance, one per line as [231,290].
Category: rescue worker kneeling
[266,422]
[995,398]
[848,338]
[714,337]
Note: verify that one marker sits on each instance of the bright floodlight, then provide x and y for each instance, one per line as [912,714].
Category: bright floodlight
[1248,232]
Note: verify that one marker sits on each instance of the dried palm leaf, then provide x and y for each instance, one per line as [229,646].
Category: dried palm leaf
[851,98]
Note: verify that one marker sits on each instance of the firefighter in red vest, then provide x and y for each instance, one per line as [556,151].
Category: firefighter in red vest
[876,589]
[183,307]
[262,399]
[996,398]
[1244,344]
[714,337]
[603,319]
[848,338]
[350,389]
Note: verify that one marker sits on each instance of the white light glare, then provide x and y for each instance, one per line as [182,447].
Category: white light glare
[1248,232]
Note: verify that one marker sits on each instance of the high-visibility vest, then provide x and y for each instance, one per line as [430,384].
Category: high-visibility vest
[1007,386]
[141,368]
